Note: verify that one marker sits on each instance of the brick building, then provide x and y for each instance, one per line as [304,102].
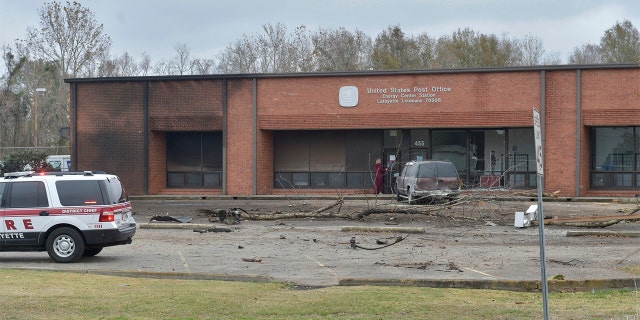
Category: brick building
[315,133]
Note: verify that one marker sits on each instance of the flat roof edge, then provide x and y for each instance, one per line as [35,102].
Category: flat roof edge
[355,73]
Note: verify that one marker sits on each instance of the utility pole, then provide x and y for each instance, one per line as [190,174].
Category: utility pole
[35,114]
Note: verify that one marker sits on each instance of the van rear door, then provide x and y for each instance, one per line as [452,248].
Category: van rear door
[60,162]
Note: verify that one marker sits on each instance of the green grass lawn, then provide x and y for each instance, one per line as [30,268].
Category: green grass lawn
[60,295]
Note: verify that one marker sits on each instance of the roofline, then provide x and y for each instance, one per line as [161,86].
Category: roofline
[357,73]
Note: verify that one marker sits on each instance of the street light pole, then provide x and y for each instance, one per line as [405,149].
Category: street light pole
[35,114]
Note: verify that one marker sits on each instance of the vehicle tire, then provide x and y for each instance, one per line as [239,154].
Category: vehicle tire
[90,252]
[65,245]
[398,196]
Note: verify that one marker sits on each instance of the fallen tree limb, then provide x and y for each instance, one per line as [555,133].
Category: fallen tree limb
[339,202]
[591,222]
[354,245]
[535,194]
[296,215]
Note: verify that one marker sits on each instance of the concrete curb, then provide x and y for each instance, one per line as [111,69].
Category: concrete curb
[161,275]
[382,229]
[617,233]
[508,285]
[181,226]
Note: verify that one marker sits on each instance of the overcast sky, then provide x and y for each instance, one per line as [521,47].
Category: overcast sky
[208,26]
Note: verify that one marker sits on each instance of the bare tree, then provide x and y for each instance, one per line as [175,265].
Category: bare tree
[239,57]
[68,36]
[586,54]
[127,65]
[341,50]
[552,58]
[181,64]
[145,64]
[162,67]
[274,51]
[202,66]
[532,50]
[301,51]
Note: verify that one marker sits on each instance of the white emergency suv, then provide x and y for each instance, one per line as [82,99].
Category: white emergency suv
[69,214]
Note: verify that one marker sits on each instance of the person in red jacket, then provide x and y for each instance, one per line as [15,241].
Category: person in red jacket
[379,170]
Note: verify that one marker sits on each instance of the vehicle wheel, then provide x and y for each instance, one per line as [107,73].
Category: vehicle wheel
[398,197]
[65,245]
[90,252]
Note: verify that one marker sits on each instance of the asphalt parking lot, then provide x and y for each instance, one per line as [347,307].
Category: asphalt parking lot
[401,250]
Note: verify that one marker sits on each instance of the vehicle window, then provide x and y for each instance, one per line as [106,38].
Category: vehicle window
[427,170]
[2,187]
[405,170]
[115,191]
[28,194]
[412,170]
[447,170]
[79,192]
[56,164]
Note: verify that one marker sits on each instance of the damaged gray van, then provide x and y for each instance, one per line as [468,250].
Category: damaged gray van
[428,180]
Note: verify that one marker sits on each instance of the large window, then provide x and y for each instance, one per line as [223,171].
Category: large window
[615,159]
[519,161]
[326,159]
[194,160]
[488,158]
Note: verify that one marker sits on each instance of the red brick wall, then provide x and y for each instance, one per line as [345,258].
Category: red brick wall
[110,135]
[190,105]
[265,162]
[110,121]
[476,100]
[157,162]
[180,106]
[240,138]
[560,134]
[609,98]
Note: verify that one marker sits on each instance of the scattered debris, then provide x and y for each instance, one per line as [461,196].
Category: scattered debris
[212,230]
[231,216]
[446,267]
[169,218]
[392,221]
[572,262]
[254,259]
[354,245]
[415,265]
[453,267]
